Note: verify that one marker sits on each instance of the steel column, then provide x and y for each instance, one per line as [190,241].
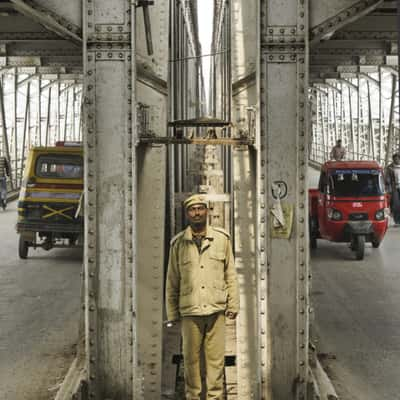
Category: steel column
[284,273]
[110,187]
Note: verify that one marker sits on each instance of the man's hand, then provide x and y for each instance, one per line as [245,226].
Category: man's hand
[230,314]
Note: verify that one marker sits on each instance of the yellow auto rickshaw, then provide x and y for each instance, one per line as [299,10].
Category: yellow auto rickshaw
[49,198]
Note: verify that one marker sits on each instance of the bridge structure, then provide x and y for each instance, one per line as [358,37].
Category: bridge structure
[126,77]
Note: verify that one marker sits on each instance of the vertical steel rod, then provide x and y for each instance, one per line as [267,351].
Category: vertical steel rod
[352,138]
[15,114]
[66,115]
[371,141]
[6,146]
[40,109]
[389,142]
[26,128]
[48,117]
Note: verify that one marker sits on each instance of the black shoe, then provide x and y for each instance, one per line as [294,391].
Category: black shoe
[3,204]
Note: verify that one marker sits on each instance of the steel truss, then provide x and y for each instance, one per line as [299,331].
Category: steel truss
[361,109]
[38,108]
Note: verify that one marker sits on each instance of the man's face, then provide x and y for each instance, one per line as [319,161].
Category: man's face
[339,143]
[396,159]
[197,214]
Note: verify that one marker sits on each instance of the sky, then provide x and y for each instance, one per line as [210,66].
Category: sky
[205,9]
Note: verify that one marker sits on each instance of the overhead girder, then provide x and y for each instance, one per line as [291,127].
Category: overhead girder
[63,18]
[327,16]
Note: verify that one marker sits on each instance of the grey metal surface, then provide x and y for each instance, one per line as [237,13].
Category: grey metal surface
[357,319]
[39,314]
[109,188]
[245,172]
[283,157]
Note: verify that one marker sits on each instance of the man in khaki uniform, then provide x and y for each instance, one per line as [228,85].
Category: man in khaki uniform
[201,290]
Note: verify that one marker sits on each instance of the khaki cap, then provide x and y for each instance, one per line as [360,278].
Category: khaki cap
[195,199]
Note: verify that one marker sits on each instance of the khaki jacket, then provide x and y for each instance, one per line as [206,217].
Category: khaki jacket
[201,284]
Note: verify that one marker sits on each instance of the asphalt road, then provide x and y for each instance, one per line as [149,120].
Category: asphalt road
[39,307]
[357,314]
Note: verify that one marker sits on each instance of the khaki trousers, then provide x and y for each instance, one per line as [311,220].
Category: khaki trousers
[207,332]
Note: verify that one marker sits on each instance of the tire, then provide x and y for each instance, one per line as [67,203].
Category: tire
[313,242]
[23,248]
[375,243]
[360,246]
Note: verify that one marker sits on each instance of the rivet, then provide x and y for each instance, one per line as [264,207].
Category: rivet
[109,28]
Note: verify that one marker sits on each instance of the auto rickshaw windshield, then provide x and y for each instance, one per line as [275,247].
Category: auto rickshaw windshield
[59,166]
[356,182]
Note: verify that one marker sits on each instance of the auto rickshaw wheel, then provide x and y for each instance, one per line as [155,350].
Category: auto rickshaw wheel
[375,243]
[313,242]
[359,246]
[23,247]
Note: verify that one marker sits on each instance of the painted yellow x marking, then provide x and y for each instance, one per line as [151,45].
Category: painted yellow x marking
[59,212]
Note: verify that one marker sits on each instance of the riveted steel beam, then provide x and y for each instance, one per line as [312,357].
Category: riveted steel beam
[354,35]
[324,30]
[50,20]
[110,185]
[283,259]
[28,36]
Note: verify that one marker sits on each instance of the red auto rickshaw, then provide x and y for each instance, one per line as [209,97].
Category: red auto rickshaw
[350,205]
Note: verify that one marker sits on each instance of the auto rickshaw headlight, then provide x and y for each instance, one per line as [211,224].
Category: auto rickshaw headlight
[335,215]
[380,214]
